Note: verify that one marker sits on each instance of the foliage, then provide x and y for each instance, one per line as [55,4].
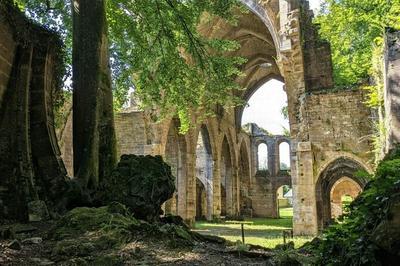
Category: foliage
[286,132]
[55,15]
[285,112]
[353,27]
[157,51]
[351,242]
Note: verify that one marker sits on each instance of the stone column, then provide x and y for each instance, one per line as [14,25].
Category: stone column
[236,191]
[181,186]
[304,206]
[191,180]
[216,187]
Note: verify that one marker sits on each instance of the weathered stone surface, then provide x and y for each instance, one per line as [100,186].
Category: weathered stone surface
[392,88]
[30,163]
[142,183]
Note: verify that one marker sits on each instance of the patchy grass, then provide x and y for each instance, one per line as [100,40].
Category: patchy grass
[266,232]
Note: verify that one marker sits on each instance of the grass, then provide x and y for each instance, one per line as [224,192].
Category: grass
[266,232]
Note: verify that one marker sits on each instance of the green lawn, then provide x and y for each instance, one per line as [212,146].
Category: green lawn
[265,232]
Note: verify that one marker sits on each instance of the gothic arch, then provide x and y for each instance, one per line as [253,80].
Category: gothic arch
[346,155]
[175,153]
[262,12]
[250,91]
[204,174]
[334,171]
[227,179]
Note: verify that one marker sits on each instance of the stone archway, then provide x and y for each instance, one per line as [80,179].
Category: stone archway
[204,173]
[334,172]
[175,155]
[227,195]
[344,187]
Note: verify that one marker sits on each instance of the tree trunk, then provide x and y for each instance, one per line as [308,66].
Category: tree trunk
[93,125]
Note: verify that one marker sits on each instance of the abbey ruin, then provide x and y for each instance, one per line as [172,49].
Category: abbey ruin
[215,163]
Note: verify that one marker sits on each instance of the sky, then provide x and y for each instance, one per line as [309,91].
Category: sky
[264,108]
[314,4]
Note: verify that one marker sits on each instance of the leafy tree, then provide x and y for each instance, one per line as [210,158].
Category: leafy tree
[353,27]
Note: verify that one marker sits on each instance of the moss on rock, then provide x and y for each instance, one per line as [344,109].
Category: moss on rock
[142,183]
[114,217]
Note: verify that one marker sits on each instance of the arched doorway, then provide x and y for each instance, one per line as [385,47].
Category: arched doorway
[343,192]
[284,201]
[341,170]
[175,156]
[226,180]
[204,178]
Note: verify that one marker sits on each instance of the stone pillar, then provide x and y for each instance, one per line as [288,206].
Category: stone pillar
[217,187]
[229,190]
[181,187]
[305,210]
[209,187]
[392,88]
[191,180]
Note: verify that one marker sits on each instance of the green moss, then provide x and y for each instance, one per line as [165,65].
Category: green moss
[114,217]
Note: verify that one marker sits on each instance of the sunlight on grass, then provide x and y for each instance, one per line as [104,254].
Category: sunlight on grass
[265,232]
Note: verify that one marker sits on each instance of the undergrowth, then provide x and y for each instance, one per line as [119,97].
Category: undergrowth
[355,239]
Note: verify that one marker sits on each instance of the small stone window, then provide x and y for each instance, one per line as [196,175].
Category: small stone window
[262,155]
[284,156]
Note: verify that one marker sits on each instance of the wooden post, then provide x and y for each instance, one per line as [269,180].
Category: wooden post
[242,233]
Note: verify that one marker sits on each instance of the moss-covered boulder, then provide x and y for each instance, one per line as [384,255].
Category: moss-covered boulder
[112,218]
[142,183]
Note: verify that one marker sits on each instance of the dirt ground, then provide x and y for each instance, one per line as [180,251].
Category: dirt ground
[30,245]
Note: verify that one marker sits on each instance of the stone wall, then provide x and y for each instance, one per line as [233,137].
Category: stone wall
[7,53]
[30,163]
[392,88]
[339,125]
[318,71]
[263,191]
